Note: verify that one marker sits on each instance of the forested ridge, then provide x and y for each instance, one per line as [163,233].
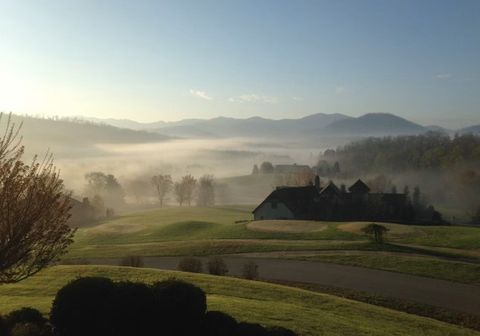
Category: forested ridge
[403,153]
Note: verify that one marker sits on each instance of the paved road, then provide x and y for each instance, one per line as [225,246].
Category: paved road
[450,295]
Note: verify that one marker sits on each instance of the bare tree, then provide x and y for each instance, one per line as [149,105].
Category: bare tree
[34,209]
[162,184]
[206,191]
[184,189]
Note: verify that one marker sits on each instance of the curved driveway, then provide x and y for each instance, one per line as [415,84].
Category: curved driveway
[441,293]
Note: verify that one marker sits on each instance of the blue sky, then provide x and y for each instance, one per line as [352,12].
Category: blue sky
[169,60]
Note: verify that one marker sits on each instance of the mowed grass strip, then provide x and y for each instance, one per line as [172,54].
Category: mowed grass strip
[206,247]
[306,312]
[416,265]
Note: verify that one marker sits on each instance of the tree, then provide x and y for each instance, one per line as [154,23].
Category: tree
[184,189]
[162,184]
[376,231]
[416,197]
[255,170]
[105,186]
[139,188]
[266,168]
[336,167]
[34,210]
[206,191]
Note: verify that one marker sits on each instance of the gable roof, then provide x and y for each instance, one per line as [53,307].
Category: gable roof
[296,199]
[330,189]
[359,187]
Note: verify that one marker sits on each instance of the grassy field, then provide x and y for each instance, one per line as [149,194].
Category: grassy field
[306,312]
[228,230]
[416,265]
[153,231]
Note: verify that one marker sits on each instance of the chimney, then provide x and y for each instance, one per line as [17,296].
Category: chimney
[317,182]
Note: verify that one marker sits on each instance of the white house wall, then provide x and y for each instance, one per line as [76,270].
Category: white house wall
[267,211]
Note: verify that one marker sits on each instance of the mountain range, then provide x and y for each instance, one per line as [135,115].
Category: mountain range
[315,125]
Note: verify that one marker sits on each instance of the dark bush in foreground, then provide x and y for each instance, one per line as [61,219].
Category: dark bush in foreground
[217,266]
[30,329]
[250,271]
[83,307]
[219,324]
[100,307]
[178,302]
[24,316]
[132,261]
[133,309]
[251,329]
[190,264]
[27,322]
[3,327]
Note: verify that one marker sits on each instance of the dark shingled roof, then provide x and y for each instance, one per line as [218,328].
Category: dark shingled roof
[330,189]
[359,187]
[297,199]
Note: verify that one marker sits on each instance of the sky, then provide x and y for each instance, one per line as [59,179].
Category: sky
[171,60]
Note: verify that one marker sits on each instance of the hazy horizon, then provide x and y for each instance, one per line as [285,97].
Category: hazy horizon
[151,60]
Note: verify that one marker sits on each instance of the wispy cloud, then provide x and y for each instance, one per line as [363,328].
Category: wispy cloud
[200,94]
[253,98]
[297,98]
[443,76]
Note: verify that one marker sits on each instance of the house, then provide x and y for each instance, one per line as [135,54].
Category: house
[331,203]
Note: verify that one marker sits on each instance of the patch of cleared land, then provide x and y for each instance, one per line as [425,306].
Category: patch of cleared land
[306,312]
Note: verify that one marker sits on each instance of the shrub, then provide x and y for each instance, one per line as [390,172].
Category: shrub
[25,315]
[219,324]
[3,327]
[83,307]
[250,270]
[30,329]
[217,266]
[376,232]
[133,308]
[251,329]
[132,261]
[190,264]
[181,305]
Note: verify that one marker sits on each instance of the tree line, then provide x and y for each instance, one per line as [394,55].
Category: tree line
[404,153]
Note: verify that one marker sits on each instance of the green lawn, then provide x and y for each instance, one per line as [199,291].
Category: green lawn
[308,313]
[227,230]
[417,265]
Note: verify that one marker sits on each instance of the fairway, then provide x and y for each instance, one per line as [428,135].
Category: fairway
[185,231]
[306,312]
[286,226]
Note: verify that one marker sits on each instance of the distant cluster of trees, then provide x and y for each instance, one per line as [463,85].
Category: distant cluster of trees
[186,190]
[448,167]
[98,306]
[104,194]
[296,177]
[405,153]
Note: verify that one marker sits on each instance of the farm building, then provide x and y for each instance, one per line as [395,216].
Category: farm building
[331,203]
